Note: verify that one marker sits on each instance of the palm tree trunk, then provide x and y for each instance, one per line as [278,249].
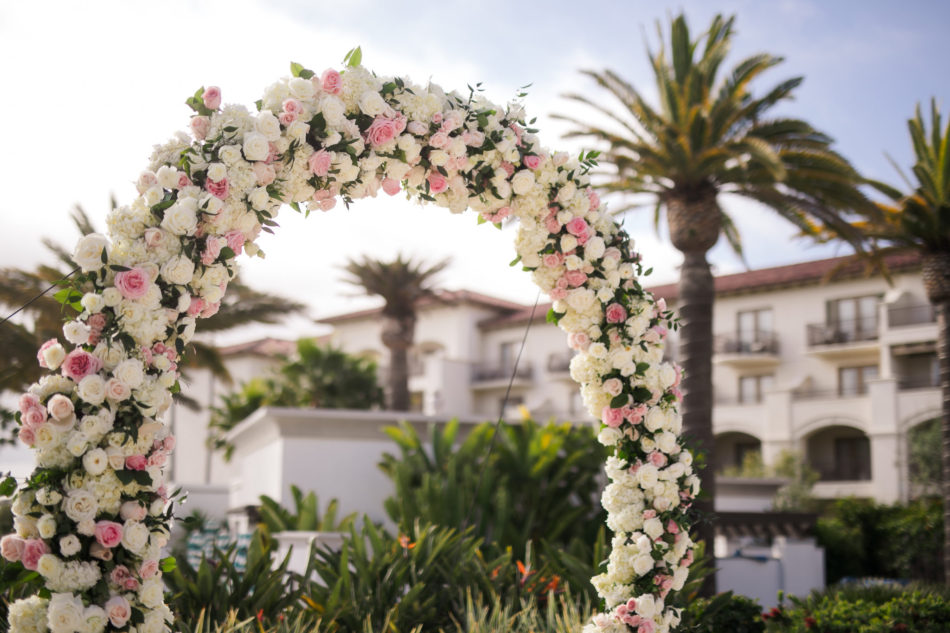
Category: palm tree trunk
[398,335]
[695,355]
[943,358]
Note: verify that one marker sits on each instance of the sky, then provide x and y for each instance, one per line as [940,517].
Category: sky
[88,88]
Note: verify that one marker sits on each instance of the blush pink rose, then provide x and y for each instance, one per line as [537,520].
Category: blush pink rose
[417,127]
[212,97]
[391,186]
[616,313]
[132,510]
[319,163]
[613,386]
[286,118]
[211,309]
[551,260]
[218,189]
[197,305]
[79,363]
[439,140]
[136,462]
[200,126]
[33,549]
[577,227]
[575,278]
[148,568]
[27,435]
[133,284]
[552,225]
[120,574]
[558,294]
[11,547]
[108,533]
[437,182]
[594,199]
[118,610]
[154,237]
[60,407]
[211,251]
[381,131]
[578,341]
[611,417]
[265,173]
[508,167]
[183,180]
[498,215]
[331,81]
[30,400]
[292,106]
[634,414]
[235,240]
[531,161]
[657,458]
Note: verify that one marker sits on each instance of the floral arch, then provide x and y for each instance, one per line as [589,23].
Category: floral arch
[94,516]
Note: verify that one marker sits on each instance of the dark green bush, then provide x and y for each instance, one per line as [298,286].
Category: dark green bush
[865,539]
[724,612]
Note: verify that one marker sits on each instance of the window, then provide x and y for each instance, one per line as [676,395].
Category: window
[853,381]
[754,329]
[506,355]
[855,318]
[852,459]
[752,389]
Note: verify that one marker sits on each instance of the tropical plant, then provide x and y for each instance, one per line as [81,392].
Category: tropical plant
[305,516]
[923,459]
[918,220]
[219,586]
[709,135]
[401,283]
[316,376]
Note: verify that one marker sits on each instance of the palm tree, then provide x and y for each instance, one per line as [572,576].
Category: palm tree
[919,221]
[401,283]
[18,367]
[707,136]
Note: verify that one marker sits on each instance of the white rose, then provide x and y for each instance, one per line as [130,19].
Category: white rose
[111,297]
[153,195]
[92,302]
[642,564]
[522,182]
[217,171]
[655,419]
[181,218]
[210,204]
[653,527]
[594,248]
[372,103]
[567,192]
[80,505]
[646,606]
[151,594]
[256,147]
[178,270]
[92,389]
[648,476]
[88,253]
[66,613]
[609,436]
[134,536]
[268,125]
[54,355]
[301,88]
[332,109]
[130,372]
[69,545]
[77,443]
[46,525]
[568,243]
[259,198]
[116,457]
[167,177]
[95,461]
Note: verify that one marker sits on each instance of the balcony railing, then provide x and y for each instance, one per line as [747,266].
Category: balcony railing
[829,394]
[907,383]
[841,332]
[560,363]
[746,343]
[911,315]
[489,372]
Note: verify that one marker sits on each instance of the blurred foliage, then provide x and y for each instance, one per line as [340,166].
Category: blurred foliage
[305,515]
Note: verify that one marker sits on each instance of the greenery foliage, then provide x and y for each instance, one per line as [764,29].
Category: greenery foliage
[924,441]
[865,539]
[538,484]
[317,376]
[724,612]
[305,516]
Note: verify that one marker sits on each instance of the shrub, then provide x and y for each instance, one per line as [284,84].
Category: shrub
[305,516]
[539,485]
[724,612]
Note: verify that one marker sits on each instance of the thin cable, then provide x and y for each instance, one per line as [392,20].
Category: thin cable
[501,413]
[25,305]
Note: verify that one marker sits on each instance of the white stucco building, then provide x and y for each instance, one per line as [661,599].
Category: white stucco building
[838,370]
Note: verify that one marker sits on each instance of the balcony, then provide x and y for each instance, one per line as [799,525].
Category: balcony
[750,350]
[910,383]
[496,376]
[844,340]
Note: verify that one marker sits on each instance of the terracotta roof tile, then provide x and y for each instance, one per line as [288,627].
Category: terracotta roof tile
[260,347]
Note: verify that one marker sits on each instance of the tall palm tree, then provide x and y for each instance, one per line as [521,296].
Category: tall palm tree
[709,135]
[919,221]
[401,283]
